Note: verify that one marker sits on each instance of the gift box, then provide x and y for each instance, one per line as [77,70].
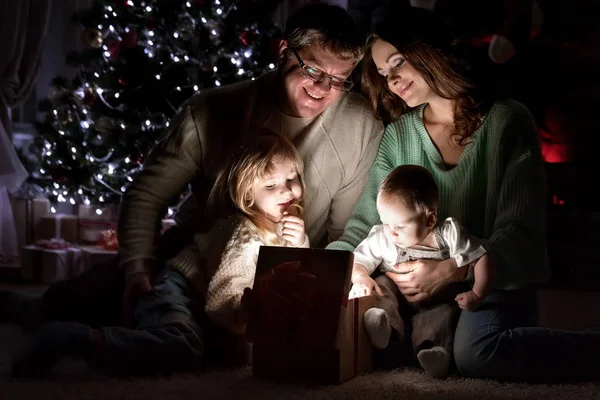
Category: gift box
[58,226]
[92,224]
[93,256]
[28,214]
[303,327]
[40,264]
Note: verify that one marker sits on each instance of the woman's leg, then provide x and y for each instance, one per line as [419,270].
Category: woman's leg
[502,340]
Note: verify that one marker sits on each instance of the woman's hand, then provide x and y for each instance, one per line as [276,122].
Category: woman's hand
[293,229]
[419,280]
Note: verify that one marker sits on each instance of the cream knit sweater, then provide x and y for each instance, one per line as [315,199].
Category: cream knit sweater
[221,264]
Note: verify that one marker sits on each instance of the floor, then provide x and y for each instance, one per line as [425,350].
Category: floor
[559,309]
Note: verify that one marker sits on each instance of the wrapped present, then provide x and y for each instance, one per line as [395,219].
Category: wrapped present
[93,256]
[28,214]
[49,261]
[58,226]
[108,240]
[304,328]
[92,224]
[108,213]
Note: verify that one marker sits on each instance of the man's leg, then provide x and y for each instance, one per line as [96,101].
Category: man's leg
[502,340]
[92,298]
[166,337]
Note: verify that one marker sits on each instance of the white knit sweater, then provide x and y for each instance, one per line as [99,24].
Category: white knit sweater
[220,265]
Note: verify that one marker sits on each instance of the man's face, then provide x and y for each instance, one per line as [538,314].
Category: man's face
[303,97]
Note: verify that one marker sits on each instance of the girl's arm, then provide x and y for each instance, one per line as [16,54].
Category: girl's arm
[235,272]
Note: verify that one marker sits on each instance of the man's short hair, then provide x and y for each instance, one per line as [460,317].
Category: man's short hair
[413,185]
[328,26]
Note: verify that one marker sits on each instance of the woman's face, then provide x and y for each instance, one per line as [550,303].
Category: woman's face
[402,79]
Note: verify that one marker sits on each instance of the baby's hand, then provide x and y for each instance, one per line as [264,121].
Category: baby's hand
[363,285]
[468,300]
[293,229]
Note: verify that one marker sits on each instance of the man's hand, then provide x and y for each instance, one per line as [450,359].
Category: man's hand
[293,229]
[419,280]
[363,285]
[139,284]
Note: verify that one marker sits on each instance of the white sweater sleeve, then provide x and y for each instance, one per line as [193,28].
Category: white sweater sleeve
[464,247]
[234,273]
[371,251]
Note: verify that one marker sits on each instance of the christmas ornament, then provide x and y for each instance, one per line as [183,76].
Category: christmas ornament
[57,91]
[105,125]
[129,39]
[93,38]
[186,26]
[64,115]
[248,37]
[158,120]
[89,96]
[113,47]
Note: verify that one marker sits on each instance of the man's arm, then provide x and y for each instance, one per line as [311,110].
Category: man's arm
[347,196]
[172,164]
[365,216]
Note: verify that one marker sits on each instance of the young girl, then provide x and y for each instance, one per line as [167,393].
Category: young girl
[407,204]
[263,187]
[265,184]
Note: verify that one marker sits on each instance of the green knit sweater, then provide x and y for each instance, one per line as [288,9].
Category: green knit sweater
[496,190]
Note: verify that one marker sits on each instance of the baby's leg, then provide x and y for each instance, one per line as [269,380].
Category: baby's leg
[432,337]
[384,318]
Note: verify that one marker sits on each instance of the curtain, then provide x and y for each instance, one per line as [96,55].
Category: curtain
[23,27]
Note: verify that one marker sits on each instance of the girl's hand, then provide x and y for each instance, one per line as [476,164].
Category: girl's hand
[363,285]
[293,229]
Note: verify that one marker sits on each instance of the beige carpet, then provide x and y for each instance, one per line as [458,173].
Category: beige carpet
[72,379]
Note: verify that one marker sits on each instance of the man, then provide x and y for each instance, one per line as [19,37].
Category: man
[307,100]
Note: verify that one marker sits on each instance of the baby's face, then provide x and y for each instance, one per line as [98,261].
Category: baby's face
[404,226]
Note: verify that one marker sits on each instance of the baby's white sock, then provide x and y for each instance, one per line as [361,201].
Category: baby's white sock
[435,361]
[378,327]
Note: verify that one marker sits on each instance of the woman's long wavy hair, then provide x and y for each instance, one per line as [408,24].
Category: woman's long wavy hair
[429,47]
[250,160]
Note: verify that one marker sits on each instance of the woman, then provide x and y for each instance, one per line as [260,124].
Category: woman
[485,157]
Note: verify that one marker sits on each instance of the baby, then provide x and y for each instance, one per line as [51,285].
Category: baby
[407,204]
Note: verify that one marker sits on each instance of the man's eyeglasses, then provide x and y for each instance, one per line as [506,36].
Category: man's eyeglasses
[318,75]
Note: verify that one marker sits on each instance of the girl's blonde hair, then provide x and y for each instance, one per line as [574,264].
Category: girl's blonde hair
[252,159]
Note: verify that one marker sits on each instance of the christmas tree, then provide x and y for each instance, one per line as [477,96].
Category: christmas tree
[141,60]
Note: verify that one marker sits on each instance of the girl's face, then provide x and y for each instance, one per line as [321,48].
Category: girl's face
[404,226]
[278,190]
[402,79]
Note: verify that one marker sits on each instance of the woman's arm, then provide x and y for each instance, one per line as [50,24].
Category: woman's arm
[518,242]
